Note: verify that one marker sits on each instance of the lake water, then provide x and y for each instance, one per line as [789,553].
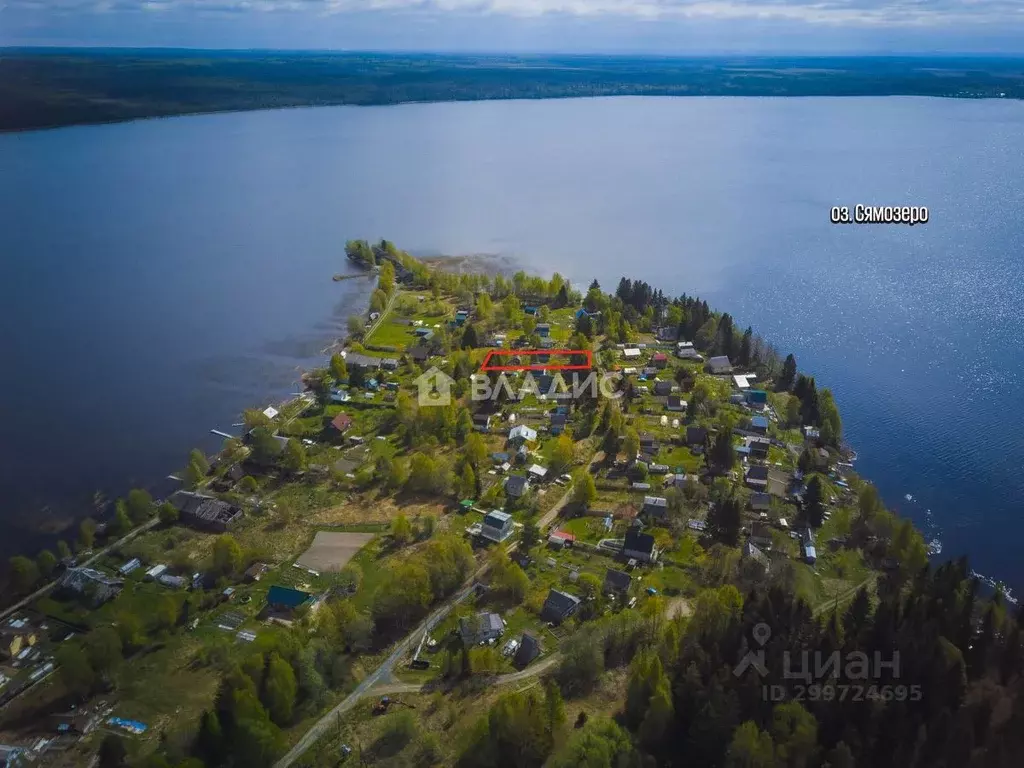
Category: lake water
[160,276]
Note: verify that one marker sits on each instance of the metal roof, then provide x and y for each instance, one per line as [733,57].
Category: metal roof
[497,518]
[617,579]
[286,596]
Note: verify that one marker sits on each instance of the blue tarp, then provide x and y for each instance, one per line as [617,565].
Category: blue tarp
[129,725]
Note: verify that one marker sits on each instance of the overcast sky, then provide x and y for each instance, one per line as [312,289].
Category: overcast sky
[610,26]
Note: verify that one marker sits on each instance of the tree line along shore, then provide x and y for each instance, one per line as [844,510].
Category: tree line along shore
[682,568]
[53,87]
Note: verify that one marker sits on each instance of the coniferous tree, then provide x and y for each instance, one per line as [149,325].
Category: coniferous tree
[624,292]
[814,498]
[725,520]
[726,336]
[750,748]
[746,346]
[856,618]
[721,453]
[806,390]
[788,376]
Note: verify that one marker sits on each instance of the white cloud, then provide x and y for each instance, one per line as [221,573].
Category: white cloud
[905,13]
[911,12]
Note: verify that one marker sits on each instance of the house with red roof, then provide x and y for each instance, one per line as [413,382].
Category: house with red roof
[561,539]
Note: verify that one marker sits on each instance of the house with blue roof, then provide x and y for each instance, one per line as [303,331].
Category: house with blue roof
[759,425]
[558,423]
[810,556]
[756,396]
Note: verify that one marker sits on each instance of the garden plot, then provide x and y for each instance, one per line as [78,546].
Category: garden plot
[331,550]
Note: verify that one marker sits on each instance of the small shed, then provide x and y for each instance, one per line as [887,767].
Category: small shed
[719,365]
[560,539]
[537,472]
[341,423]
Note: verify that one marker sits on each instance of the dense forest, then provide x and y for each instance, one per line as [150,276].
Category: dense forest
[42,88]
[930,676]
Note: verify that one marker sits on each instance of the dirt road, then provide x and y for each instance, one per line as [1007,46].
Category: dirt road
[552,514]
[43,590]
[383,673]
[513,677]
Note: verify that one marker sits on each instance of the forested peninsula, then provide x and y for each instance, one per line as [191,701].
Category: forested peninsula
[425,560]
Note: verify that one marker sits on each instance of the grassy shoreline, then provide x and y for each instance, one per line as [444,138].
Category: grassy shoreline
[401,482]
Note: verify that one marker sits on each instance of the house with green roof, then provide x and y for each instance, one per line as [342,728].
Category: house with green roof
[286,600]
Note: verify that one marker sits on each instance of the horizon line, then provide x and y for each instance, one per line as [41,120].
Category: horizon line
[854,54]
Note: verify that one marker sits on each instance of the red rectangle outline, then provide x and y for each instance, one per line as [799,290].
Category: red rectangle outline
[486,367]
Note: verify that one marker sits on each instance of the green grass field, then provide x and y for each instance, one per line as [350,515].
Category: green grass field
[389,334]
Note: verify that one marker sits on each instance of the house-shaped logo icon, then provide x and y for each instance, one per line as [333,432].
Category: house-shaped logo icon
[434,387]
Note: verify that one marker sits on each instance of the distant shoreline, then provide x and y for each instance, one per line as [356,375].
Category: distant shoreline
[54,88]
